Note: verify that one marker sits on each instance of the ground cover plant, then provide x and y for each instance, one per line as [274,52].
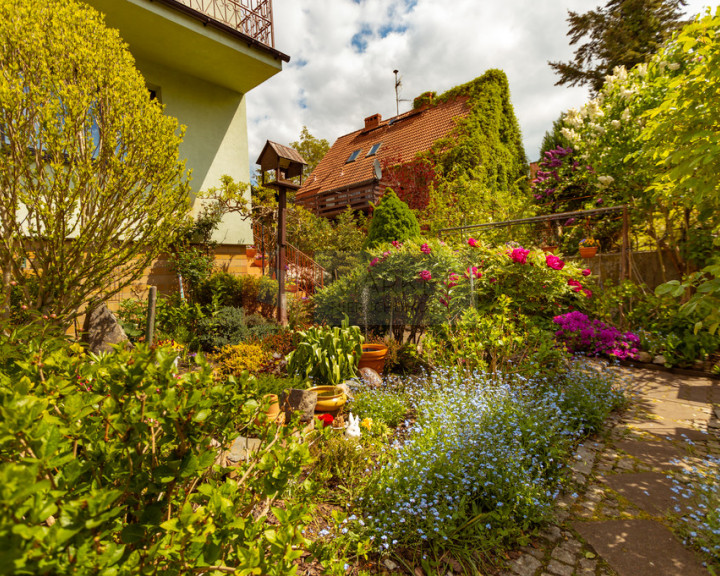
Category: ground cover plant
[481,466]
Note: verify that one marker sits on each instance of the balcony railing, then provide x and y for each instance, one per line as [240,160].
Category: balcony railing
[251,17]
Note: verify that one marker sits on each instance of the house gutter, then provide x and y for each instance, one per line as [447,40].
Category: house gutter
[208,21]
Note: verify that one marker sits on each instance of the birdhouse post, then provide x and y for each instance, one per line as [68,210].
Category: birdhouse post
[286,163]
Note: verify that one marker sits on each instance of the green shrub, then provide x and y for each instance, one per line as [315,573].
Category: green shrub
[108,466]
[221,289]
[175,319]
[392,220]
[327,355]
[227,326]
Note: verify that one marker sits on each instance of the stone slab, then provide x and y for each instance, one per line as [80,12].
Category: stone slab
[640,548]
[654,452]
[649,491]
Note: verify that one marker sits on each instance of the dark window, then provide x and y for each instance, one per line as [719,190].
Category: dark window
[374,149]
[353,156]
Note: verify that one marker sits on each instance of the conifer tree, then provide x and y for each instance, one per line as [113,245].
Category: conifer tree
[623,32]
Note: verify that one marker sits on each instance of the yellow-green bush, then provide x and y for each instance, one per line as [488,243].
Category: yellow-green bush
[234,359]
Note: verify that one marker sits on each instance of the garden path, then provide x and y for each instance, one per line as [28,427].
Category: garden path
[617,522]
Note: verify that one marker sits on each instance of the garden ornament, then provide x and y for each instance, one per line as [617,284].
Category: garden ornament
[353,429]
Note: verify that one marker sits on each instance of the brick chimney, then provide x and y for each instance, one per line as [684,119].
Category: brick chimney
[372,121]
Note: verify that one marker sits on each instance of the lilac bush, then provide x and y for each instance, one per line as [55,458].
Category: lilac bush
[594,337]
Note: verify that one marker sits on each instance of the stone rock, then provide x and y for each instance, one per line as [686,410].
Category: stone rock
[390,565]
[370,378]
[659,359]
[643,356]
[101,330]
[303,401]
[242,448]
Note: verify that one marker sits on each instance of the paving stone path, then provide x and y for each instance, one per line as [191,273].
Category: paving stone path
[616,522]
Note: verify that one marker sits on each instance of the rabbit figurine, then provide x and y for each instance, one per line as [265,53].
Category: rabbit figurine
[353,429]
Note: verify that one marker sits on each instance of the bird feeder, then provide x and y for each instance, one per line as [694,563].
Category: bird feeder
[286,163]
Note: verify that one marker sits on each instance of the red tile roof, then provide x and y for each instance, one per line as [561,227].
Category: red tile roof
[400,138]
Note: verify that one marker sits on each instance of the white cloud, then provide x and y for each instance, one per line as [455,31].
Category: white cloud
[330,85]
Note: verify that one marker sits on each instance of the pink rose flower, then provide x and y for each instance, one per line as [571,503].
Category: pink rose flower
[425,275]
[519,255]
[425,249]
[572,282]
[374,261]
[554,262]
[396,244]
[472,242]
[586,272]
[588,293]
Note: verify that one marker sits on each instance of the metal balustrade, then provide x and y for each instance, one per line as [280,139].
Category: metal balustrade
[251,17]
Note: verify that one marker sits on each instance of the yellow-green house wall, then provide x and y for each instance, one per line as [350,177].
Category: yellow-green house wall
[201,75]
[215,142]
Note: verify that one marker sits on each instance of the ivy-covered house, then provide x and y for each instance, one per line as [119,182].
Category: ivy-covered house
[200,58]
[469,133]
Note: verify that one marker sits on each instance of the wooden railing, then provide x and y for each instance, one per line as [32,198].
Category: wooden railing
[332,203]
[301,270]
[251,17]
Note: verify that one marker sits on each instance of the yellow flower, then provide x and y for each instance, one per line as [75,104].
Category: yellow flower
[367,423]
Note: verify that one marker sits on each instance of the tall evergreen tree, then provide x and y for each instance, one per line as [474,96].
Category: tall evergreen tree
[623,32]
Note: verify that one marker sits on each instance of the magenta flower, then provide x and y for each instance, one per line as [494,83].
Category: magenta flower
[386,254]
[396,244]
[573,282]
[425,249]
[444,302]
[554,262]
[474,271]
[374,261]
[586,272]
[587,293]
[519,255]
[472,242]
[425,275]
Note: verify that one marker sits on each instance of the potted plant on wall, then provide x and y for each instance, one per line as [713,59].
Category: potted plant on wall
[588,247]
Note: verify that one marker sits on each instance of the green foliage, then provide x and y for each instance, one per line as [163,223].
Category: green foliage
[650,135]
[327,355]
[85,155]
[238,358]
[501,341]
[175,319]
[311,149]
[381,405]
[482,164]
[108,466]
[392,220]
[226,326]
[704,302]
[224,289]
[622,33]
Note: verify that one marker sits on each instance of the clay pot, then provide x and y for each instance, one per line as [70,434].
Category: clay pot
[588,251]
[273,410]
[550,249]
[373,356]
[250,253]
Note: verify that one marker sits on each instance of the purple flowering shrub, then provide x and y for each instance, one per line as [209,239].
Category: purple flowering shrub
[596,338]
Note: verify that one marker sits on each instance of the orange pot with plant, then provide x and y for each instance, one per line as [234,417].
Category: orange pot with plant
[373,356]
[588,247]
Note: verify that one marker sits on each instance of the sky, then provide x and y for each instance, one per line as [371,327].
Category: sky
[343,53]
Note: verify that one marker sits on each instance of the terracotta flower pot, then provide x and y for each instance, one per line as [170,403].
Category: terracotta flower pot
[373,356]
[550,249]
[250,253]
[588,251]
[329,398]
[273,410]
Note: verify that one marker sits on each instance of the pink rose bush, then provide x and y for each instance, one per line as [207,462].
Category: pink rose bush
[519,255]
[554,262]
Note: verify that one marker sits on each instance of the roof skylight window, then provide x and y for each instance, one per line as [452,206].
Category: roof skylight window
[373,150]
[353,156]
